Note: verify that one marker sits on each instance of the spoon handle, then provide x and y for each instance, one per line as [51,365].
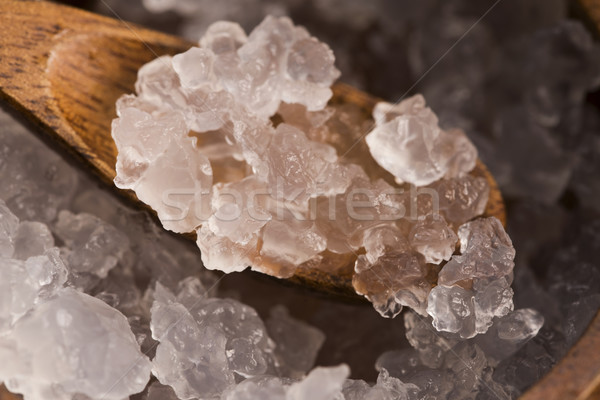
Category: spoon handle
[64,68]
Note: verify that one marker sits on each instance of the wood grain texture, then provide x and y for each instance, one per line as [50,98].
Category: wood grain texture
[588,11]
[64,69]
[6,395]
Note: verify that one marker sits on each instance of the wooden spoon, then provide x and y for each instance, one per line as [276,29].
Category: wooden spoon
[64,69]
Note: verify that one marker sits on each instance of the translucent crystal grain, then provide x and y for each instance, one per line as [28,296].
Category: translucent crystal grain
[267,388]
[223,37]
[219,252]
[509,333]
[386,388]
[320,384]
[382,239]
[8,228]
[32,239]
[26,282]
[429,343]
[18,293]
[46,272]
[408,142]
[205,343]
[297,343]
[467,363]
[299,175]
[462,199]
[194,67]
[182,361]
[520,325]
[433,238]
[346,217]
[486,252]
[493,298]
[36,183]
[292,243]
[453,310]
[474,287]
[240,210]
[63,363]
[396,279]
[94,246]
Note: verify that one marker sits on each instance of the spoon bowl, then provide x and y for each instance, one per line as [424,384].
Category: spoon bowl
[64,69]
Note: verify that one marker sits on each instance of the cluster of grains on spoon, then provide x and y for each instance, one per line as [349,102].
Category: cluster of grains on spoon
[234,140]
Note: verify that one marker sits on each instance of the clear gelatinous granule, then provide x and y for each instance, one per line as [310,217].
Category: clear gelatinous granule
[87,348]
